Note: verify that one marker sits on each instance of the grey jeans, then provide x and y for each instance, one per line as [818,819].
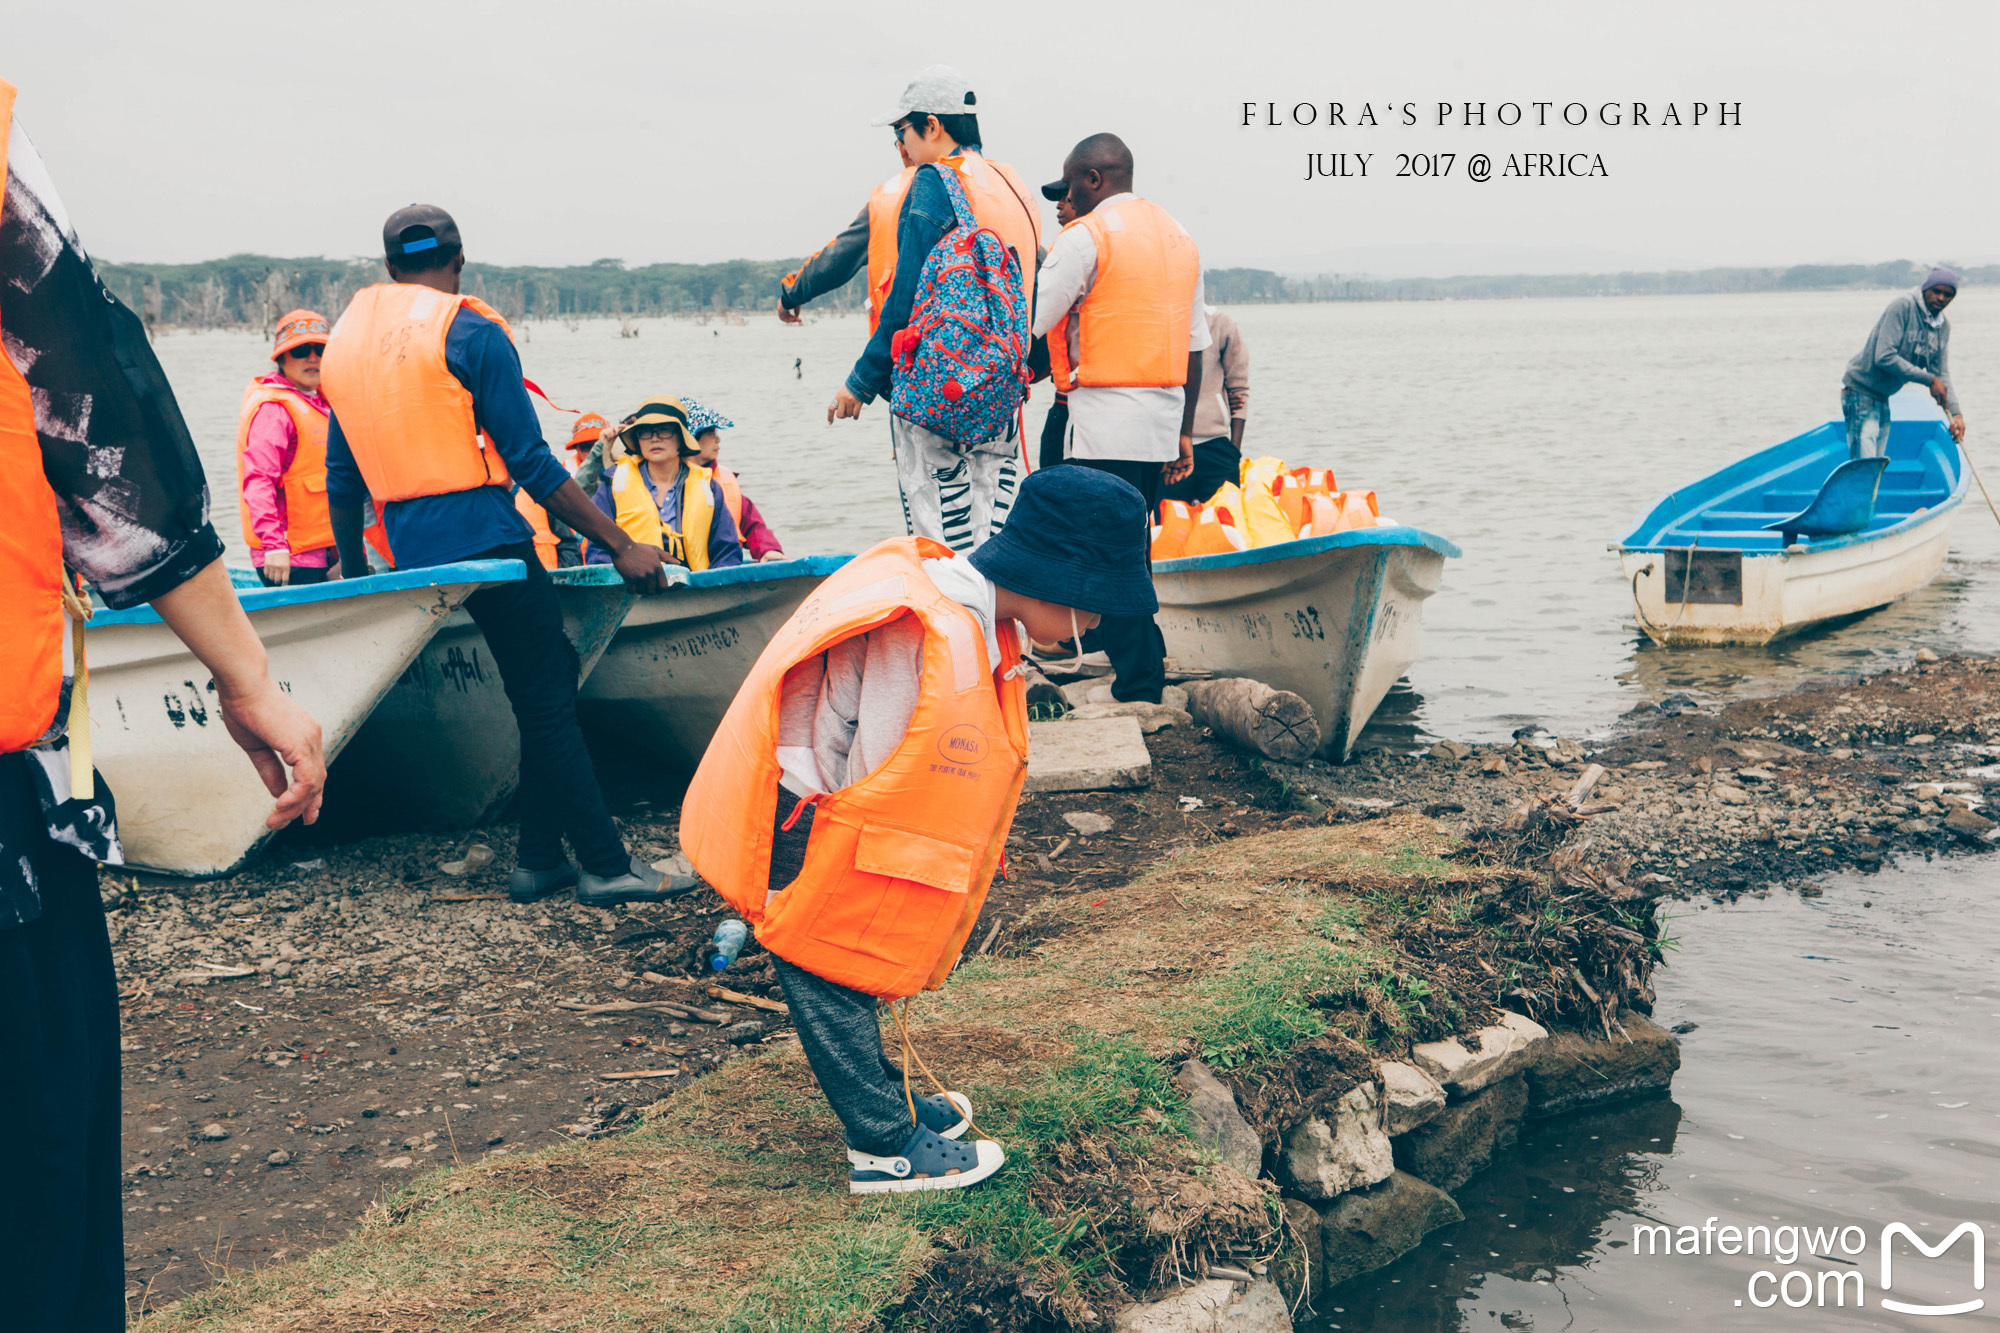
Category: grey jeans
[1867,417]
[954,494]
[838,1027]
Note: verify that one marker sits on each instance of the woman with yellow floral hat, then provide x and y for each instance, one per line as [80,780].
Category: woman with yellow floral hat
[656,490]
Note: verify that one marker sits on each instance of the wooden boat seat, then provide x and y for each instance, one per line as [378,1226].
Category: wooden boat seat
[1845,504]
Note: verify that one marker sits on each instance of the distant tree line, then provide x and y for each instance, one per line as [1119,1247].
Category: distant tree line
[255,290]
[1248,286]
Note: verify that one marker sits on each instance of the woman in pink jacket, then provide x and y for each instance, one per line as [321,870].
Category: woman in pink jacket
[281,460]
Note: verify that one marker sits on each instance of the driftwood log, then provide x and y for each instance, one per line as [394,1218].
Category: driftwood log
[1275,723]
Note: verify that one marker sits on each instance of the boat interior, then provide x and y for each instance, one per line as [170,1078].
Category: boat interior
[1744,506]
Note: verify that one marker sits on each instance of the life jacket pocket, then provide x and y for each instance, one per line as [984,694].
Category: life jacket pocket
[876,894]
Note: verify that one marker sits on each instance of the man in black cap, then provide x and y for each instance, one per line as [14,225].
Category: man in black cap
[431,417]
[1909,345]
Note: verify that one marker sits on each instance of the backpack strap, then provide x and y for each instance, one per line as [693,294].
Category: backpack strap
[954,190]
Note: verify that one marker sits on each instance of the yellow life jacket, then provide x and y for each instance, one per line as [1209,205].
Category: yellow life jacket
[640,516]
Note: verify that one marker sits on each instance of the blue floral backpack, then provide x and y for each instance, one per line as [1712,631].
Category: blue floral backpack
[961,364]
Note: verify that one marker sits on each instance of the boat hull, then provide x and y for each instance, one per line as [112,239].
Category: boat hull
[1335,620]
[660,690]
[1790,592]
[442,750]
[189,802]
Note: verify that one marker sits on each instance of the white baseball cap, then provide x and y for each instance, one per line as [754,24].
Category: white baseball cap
[939,90]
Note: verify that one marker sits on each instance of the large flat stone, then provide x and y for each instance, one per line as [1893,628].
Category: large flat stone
[1410,1097]
[1151,717]
[1214,1306]
[1464,1065]
[1460,1143]
[1368,1229]
[1086,693]
[1575,1070]
[1087,756]
[1344,1149]
[1217,1122]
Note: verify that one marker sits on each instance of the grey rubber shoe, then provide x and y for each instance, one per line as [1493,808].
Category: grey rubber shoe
[640,884]
[927,1162]
[527,886]
[945,1114]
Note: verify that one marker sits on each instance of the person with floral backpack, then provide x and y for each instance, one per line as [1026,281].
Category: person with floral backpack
[957,449]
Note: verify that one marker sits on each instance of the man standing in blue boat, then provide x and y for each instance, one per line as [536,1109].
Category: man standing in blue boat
[1909,346]
[431,417]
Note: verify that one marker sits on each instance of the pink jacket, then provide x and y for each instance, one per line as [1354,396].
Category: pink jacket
[758,539]
[273,441]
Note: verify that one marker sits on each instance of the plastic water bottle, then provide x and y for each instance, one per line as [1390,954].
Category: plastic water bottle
[730,937]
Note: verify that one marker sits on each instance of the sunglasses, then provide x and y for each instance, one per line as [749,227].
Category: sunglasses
[304,350]
[647,433]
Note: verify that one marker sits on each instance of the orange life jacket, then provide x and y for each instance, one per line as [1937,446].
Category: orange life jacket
[308,523]
[999,202]
[732,496]
[406,417]
[899,862]
[1214,532]
[31,559]
[1132,325]
[1170,534]
[538,519]
[885,203]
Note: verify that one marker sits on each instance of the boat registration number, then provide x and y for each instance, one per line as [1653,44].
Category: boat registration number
[1703,578]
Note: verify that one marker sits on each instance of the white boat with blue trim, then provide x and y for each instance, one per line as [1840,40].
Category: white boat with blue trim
[1333,619]
[1798,535]
[442,750]
[662,687]
[188,801]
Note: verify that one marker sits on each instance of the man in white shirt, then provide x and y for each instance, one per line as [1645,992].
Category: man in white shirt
[1115,349]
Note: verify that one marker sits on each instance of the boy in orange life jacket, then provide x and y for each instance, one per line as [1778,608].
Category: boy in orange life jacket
[884,749]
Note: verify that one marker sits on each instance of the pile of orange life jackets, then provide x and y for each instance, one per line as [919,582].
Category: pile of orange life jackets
[1271,504]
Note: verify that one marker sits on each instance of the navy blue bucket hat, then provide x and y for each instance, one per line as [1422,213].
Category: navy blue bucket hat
[1076,537]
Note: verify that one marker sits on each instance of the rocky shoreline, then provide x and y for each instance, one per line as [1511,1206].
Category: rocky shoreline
[306,1035]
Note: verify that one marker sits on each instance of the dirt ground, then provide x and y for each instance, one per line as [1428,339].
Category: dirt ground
[399,1016]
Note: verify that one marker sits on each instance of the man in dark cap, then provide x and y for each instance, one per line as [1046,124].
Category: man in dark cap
[431,418]
[1909,345]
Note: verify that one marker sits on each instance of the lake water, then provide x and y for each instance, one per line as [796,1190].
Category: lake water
[1842,1075]
[1531,433]
[1843,1070]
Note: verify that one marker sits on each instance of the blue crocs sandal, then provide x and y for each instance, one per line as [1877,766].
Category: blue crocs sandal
[945,1114]
[927,1162]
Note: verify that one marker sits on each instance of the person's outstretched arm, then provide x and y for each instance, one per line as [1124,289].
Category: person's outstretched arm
[275,732]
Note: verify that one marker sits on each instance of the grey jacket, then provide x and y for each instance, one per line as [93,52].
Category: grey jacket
[1904,349]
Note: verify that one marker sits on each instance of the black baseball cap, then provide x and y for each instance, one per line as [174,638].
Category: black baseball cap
[417,229]
[1055,191]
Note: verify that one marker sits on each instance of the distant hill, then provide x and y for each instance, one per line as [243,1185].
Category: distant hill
[255,290]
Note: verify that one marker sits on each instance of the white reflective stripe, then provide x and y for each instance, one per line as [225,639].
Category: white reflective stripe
[968,653]
[1112,221]
[881,590]
[425,301]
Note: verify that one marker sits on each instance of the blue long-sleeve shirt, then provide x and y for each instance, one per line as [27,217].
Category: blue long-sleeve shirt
[438,529]
[926,218]
[725,545]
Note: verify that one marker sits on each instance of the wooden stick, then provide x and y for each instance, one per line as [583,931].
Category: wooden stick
[991,935]
[1061,847]
[642,1073]
[1584,784]
[467,897]
[754,1001]
[645,1006]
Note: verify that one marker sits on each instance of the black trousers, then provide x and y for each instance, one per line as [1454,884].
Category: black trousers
[62,1242]
[1054,427]
[538,666]
[1133,643]
[302,576]
[1216,462]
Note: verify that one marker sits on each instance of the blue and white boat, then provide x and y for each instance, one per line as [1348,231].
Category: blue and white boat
[442,749]
[662,687]
[1333,619]
[1797,535]
[188,801]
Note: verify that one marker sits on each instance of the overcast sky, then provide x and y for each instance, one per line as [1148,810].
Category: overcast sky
[561,133]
